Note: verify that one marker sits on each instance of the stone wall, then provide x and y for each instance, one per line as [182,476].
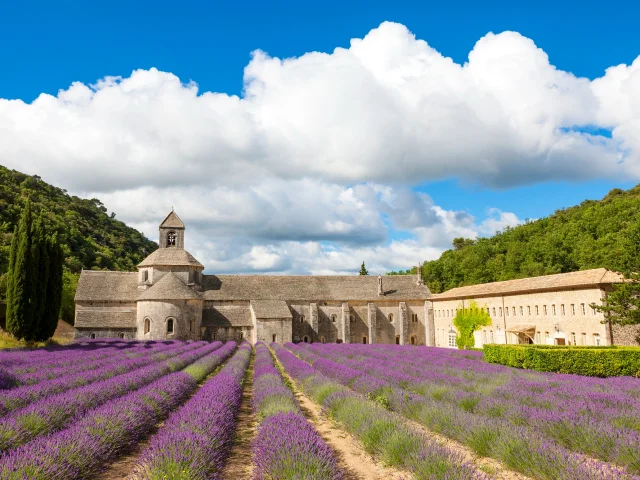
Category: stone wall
[626,335]
[187,315]
[273,330]
[329,323]
[575,321]
[301,323]
[126,333]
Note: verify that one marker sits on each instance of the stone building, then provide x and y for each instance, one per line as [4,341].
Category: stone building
[170,298]
[549,310]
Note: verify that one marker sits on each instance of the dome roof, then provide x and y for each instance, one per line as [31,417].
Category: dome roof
[169,287]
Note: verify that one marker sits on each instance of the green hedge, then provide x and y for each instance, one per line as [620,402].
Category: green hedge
[589,361]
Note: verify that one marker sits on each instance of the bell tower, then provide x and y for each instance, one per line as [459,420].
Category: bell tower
[172,232]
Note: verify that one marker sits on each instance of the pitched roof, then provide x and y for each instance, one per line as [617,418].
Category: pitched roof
[580,279]
[105,318]
[170,257]
[227,316]
[169,287]
[172,221]
[309,288]
[270,309]
[99,285]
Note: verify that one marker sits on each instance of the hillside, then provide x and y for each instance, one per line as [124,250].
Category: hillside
[591,235]
[91,238]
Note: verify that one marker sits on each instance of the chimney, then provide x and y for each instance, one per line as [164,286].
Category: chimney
[420,280]
[380,291]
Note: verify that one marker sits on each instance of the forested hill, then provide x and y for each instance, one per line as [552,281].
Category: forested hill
[593,234]
[91,238]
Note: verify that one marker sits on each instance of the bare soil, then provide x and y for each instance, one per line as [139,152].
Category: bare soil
[239,464]
[123,466]
[353,459]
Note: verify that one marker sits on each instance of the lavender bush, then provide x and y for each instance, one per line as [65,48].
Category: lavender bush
[383,434]
[535,423]
[286,446]
[83,449]
[53,413]
[194,441]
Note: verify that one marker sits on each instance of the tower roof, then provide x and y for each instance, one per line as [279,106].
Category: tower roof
[169,287]
[172,221]
[170,257]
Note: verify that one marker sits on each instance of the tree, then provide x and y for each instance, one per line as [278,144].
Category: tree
[34,287]
[19,284]
[621,306]
[363,270]
[467,321]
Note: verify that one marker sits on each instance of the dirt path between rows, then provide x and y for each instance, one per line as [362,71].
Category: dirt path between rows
[354,460]
[239,465]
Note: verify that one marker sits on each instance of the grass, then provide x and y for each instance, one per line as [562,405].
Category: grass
[7,341]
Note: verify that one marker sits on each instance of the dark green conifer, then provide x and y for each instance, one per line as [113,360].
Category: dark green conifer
[53,293]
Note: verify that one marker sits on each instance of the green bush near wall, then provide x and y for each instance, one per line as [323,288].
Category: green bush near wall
[590,361]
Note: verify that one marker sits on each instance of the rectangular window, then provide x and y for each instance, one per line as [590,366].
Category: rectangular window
[583,339]
[521,314]
[537,312]
[584,310]
[596,339]
[593,311]
[452,340]
[574,340]
[573,309]
[488,312]
[506,311]
[544,309]
[484,336]
[553,310]
[514,311]
[562,308]
[491,335]
[538,337]
[546,337]
[494,311]
[528,310]
[500,309]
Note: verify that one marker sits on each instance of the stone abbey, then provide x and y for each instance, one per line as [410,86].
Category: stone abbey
[169,297]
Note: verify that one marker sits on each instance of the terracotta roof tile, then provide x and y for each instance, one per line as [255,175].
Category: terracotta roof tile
[583,278]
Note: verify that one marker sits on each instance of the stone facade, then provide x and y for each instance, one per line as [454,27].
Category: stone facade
[170,298]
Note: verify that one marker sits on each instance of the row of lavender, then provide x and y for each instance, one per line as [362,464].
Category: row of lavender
[101,434]
[195,440]
[533,422]
[382,433]
[28,367]
[52,413]
[286,446]
[104,369]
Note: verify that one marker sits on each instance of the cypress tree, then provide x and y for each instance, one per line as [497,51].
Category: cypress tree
[10,283]
[53,293]
[19,294]
[40,278]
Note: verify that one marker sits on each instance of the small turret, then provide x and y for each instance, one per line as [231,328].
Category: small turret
[420,280]
[172,232]
[380,290]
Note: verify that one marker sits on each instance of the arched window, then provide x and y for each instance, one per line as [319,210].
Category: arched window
[301,318]
[391,317]
[171,239]
[333,318]
[273,338]
[241,336]
[306,339]
[364,340]
[92,335]
[147,325]
[170,326]
[413,340]
[397,339]
[121,335]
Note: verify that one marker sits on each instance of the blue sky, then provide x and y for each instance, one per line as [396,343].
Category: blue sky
[47,46]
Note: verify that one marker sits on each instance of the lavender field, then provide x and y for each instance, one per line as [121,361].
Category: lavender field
[109,409]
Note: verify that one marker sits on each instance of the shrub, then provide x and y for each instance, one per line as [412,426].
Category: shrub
[589,361]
